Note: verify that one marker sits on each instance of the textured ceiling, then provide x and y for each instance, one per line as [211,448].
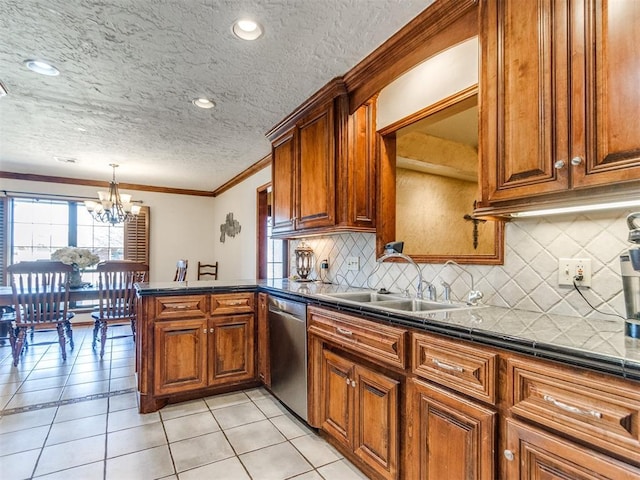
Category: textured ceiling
[129,69]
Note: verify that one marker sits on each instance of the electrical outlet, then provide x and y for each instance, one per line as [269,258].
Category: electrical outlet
[353,263]
[324,265]
[568,268]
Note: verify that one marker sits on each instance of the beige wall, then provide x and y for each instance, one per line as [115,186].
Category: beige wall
[237,255]
[179,226]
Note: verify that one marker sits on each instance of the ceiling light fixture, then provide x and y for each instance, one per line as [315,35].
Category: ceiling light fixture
[66,159]
[41,67]
[113,207]
[203,102]
[247,29]
[577,209]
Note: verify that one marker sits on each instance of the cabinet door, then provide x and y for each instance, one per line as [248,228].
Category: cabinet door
[532,454]
[376,421]
[180,356]
[337,397]
[264,367]
[448,436]
[356,177]
[606,136]
[283,171]
[231,351]
[316,171]
[524,101]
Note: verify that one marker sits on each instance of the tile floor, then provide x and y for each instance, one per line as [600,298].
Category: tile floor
[79,420]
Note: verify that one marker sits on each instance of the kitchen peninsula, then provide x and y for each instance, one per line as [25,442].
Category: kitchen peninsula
[496,378]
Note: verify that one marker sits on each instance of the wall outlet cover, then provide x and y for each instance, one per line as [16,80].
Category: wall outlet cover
[568,268]
[353,263]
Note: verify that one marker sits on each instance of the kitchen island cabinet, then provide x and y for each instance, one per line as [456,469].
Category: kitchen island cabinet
[194,345]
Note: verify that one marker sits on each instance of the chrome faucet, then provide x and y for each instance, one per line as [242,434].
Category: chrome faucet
[474,295]
[431,289]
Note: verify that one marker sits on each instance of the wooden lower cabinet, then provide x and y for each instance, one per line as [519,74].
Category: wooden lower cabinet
[264,366]
[360,410]
[180,355]
[448,436]
[193,354]
[200,349]
[533,454]
[231,350]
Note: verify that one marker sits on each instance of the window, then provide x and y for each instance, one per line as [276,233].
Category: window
[40,227]
[275,254]
[34,228]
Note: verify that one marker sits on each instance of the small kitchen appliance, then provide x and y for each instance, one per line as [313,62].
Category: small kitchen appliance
[630,269]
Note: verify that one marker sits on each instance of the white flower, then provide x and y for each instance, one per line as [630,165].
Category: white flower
[78,257]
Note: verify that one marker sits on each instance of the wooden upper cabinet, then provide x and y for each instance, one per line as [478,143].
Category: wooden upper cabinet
[323,166]
[524,98]
[357,192]
[605,44]
[283,170]
[558,87]
[316,204]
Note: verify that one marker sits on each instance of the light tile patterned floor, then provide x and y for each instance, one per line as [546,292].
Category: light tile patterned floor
[79,420]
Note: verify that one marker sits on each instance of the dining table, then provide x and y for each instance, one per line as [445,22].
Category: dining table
[88,292]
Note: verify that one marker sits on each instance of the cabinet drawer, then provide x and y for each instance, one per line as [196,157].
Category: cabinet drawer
[380,343]
[601,411]
[230,303]
[467,369]
[183,306]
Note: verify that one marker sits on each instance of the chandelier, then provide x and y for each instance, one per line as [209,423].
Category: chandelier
[113,207]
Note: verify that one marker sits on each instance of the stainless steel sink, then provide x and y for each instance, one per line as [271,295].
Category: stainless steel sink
[396,302]
[362,297]
[416,305]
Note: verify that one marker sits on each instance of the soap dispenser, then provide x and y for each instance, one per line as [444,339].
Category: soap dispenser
[630,269]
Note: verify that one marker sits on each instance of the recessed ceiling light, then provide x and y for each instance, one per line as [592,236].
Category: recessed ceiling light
[203,102]
[41,67]
[66,159]
[247,29]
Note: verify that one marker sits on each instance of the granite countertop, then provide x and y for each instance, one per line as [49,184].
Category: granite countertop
[595,344]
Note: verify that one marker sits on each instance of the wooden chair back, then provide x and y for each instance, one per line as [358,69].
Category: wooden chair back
[181,271]
[208,269]
[40,292]
[116,291]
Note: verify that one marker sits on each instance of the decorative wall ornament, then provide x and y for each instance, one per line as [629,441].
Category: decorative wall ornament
[230,227]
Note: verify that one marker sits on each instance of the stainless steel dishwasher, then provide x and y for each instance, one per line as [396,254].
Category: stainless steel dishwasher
[288,352]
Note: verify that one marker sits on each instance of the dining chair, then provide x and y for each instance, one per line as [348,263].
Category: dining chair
[181,271]
[41,301]
[208,269]
[116,296]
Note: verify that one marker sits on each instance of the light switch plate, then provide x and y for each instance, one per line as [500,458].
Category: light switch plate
[353,263]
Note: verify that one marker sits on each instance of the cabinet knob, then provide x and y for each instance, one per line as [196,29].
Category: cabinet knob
[559,164]
[348,381]
[211,330]
[508,454]
[353,383]
[204,330]
[575,161]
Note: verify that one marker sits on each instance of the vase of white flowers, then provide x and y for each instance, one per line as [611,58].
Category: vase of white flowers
[79,259]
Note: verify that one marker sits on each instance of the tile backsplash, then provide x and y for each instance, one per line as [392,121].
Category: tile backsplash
[528,280]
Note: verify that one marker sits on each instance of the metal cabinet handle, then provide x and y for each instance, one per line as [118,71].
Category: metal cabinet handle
[571,408]
[344,331]
[559,164]
[180,307]
[211,330]
[348,381]
[508,454]
[446,366]
[204,330]
[353,383]
[575,161]
[235,303]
